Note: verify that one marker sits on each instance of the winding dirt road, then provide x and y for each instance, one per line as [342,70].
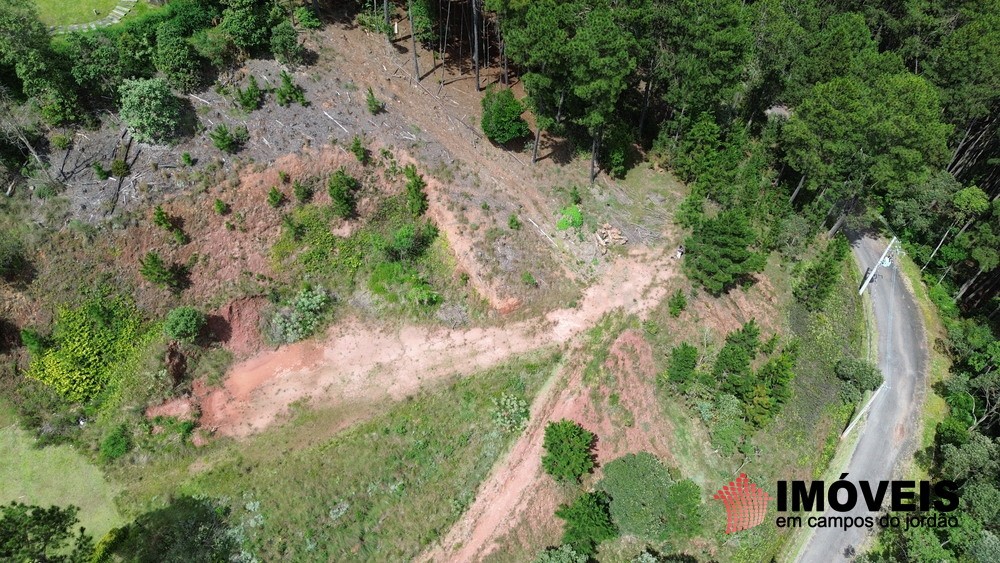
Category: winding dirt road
[361,363]
[889,436]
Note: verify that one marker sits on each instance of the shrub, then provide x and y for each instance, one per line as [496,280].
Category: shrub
[184,324]
[34,341]
[683,361]
[221,207]
[822,275]
[574,196]
[572,217]
[12,259]
[510,413]
[410,240]
[283,177]
[502,120]
[285,44]
[865,375]
[250,98]
[588,522]
[155,270]
[60,141]
[568,454]
[529,280]
[116,444]
[677,303]
[87,343]
[303,192]
[100,172]
[398,282]
[375,106]
[302,317]
[186,159]
[307,18]
[275,198]
[162,219]
[416,199]
[561,554]
[289,92]
[514,223]
[359,150]
[150,110]
[342,187]
[227,140]
[646,503]
[176,58]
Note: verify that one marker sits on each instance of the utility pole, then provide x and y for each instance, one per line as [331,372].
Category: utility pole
[881,260]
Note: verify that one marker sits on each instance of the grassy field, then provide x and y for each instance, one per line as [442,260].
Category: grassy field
[54,475]
[65,12]
[382,490]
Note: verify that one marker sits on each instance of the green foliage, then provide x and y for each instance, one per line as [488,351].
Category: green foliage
[117,443]
[149,108]
[246,23]
[221,207]
[161,219]
[561,554]
[156,271]
[300,318]
[571,217]
[588,522]
[34,341]
[568,450]
[514,223]
[307,18]
[250,98]
[176,58]
[677,303]
[119,168]
[229,140]
[529,280]
[33,533]
[13,261]
[186,529]
[821,276]
[864,375]
[375,106]
[717,253]
[60,141]
[285,44]
[397,282]
[502,121]
[683,362]
[186,159]
[100,172]
[510,413]
[360,151]
[274,197]
[289,92]
[647,503]
[342,188]
[184,324]
[303,192]
[416,198]
[87,343]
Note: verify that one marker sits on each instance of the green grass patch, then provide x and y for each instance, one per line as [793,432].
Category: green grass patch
[54,475]
[382,490]
[66,12]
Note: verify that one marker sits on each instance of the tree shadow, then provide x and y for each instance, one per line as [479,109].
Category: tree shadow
[187,125]
[217,328]
[10,336]
[187,529]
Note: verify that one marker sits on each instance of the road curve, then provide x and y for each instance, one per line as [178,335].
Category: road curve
[889,436]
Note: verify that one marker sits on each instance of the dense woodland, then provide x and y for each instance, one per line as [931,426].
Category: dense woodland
[788,119]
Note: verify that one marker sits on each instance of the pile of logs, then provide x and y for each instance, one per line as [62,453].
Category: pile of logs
[608,235]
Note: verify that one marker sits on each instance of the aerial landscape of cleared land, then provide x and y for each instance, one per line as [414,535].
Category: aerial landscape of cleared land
[499,280]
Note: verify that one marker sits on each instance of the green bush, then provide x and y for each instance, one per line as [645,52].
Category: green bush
[221,207]
[87,342]
[865,375]
[342,188]
[186,159]
[149,108]
[250,98]
[275,198]
[677,303]
[12,257]
[229,140]
[100,172]
[184,323]
[155,270]
[303,192]
[359,150]
[571,217]
[116,444]
[416,199]
[568,450]
[161,219]
[502,120]
[561,554]
[60,141]
[514,223]
[301,317]
[822,275]
[529,280]
[375,106]
[307,18]
[285,44]
[289,92]
[510,413]
[646,503]
[119,168]
[397,282]
[683,361]
[588,522]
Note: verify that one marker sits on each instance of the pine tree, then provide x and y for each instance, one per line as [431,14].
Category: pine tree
[718,253]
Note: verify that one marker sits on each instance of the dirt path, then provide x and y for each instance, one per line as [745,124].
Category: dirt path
[359,362]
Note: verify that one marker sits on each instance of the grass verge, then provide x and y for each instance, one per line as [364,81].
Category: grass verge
[66,12]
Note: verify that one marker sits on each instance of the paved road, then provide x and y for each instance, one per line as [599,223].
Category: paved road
[889,436]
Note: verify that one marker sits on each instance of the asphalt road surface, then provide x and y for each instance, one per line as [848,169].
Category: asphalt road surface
[889,435]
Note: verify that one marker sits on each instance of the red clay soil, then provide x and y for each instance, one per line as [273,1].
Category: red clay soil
[180,408]
[237,326]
